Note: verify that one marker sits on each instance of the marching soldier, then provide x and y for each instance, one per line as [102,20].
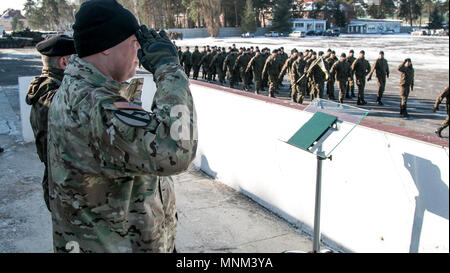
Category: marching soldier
[206,63]
[203,64]
[110,161]
[217,63]
[316,77]
[271,71]
[329,62]
[381,69]
[195,61]
[256,66]
[241,66]
[351,80]
[228,66]
[265,53]
[55,55]
[299,68]
[406,84]
[186,59]
[361,68]
[440,98]
[282,58]
[341,70]
[287,67]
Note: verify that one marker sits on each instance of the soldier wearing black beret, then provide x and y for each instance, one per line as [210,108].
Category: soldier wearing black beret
[55,53]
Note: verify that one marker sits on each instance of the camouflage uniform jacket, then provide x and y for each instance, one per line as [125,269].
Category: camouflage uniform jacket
[406,75]
[40,94]
[272,66]
[256,65]
[196,58]
[287,67]
[381,69]
[110,185]
[186,57]
[360,68]
[341,70]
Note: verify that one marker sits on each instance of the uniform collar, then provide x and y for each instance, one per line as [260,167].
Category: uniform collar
[85,71]
[55,73]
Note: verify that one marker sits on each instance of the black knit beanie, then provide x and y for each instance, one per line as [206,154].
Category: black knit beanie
[100,25]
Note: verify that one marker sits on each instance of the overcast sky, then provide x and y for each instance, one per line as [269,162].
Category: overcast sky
[14,4]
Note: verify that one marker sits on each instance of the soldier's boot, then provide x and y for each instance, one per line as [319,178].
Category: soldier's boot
[359,102]
[300,99]
[437,132]
[405,113]
[1,150]
[379,101]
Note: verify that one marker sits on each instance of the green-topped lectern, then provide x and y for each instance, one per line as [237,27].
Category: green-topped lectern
[330,123]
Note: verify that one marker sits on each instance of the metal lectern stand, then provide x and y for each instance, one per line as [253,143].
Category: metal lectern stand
[320,136]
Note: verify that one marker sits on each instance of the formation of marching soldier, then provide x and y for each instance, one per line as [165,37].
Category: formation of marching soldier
[311,74]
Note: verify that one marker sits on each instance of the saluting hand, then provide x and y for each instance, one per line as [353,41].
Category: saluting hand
[156,49]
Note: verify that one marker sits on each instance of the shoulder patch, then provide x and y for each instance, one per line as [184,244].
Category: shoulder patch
[133,118]
[121,105]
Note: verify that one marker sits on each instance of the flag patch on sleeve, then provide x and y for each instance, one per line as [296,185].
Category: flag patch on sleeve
[121,105]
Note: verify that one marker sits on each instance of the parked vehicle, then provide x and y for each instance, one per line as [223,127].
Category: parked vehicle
[389,31]
[331,32]
[272,34]
[297,34]
[248,35]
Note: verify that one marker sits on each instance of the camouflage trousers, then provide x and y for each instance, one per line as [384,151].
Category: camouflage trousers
[187,69]
[330,89]
[300,92]
[342,85]
[350,87]
[273,85]
[361,83]
[404,93]
[381,87]
[444,124]
[317,90]
[221,75]
[196,69]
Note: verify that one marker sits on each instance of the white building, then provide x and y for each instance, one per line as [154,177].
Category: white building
[306,25]
[374,26]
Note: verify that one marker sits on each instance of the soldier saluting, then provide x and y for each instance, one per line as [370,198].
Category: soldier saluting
[406,84]
[55,55]
[110,161]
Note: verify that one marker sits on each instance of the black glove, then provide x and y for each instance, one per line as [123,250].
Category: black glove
[156,49]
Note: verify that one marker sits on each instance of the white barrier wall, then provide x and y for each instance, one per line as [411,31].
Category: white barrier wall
[380,193]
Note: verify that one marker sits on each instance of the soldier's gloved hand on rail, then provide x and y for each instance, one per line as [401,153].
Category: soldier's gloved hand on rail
[156,49]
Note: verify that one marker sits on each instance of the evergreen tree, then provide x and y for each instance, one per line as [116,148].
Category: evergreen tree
[282,16]
[339,15]
[435,19]
[248,21]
